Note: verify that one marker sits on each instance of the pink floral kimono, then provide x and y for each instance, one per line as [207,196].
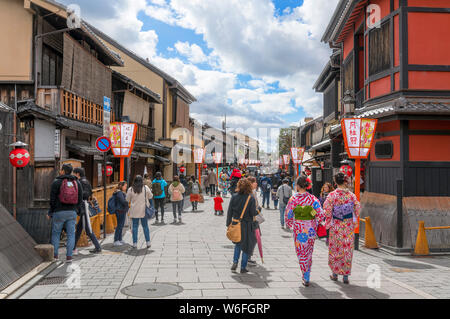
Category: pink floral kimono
[304,230]
[342,210]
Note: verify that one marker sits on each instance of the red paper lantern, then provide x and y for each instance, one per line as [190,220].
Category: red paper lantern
[347,170]
[205,166]
[19,157]
[109,170]
[182,169]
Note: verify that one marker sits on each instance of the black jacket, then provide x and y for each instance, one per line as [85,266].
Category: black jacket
[55,204]
[121,202]
[87,188]
[248,225]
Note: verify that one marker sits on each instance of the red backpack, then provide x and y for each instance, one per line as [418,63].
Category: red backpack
[68,192]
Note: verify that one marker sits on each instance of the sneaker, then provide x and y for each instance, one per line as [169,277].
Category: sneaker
[162,221]
[68,259]
[251,261]
[95,251]
[56,258]
[75,252]
[149,245]
[118,243]
[179,220]
[135,245]
[122,242]
[234,267]
[244,270]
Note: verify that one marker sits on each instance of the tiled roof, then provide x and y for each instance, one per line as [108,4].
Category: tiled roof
[403,106]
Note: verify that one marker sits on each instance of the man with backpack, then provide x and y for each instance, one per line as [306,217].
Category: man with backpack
[66,197]
[85,222]
[159,195]
[284,193]
[266,186]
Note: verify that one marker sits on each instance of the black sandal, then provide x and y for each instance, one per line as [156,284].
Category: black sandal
[305,283]
[333,277]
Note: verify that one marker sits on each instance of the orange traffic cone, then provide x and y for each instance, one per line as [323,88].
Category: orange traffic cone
[369,235]
[421,247]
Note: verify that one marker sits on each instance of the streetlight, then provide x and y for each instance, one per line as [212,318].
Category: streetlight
[349,102]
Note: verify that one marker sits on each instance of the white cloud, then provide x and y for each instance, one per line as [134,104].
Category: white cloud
[193,52]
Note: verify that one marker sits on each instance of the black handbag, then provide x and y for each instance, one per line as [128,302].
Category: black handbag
[149,211]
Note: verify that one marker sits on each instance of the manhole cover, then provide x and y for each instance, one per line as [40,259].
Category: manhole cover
[407,264]
[152,290]
[51,281]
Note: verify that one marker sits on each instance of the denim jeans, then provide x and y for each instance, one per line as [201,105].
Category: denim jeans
[177,205]
[282,209]
[159,204]
[237,254]
[266,196]
[212,189]
[120,223]
[67,219]
[275,203]
[144,223]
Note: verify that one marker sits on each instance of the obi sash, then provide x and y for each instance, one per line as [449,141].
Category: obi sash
[343,212]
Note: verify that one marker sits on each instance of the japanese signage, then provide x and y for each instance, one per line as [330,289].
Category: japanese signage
[106,115]
[297,154]
[358,136]
[57,143]
[286,159]
[122,138]
[217,158]
[199,154]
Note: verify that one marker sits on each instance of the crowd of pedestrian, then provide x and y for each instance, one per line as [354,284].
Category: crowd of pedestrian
[336,210]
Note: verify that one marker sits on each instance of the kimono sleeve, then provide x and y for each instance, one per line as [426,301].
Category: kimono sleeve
[289,213]
[328,210]
[320,216]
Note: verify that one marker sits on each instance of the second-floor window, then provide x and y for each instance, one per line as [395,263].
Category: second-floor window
[379,49]
[51,67]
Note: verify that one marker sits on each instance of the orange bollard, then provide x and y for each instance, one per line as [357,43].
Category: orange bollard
[421,247]
[109,224]
[369,235]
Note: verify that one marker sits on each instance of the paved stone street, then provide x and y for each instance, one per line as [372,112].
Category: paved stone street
[197,256]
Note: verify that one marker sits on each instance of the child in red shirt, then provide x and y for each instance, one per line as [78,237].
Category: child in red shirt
[218,200]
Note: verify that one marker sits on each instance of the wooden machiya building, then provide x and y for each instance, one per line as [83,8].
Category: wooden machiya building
[55,79]
[399,73]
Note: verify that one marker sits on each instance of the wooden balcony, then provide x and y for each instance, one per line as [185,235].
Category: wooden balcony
[145,133]
[68,104]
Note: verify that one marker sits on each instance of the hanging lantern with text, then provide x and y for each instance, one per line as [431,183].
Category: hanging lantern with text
[182,169]
[358,136]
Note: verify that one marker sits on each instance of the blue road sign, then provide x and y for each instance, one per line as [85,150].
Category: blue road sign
[103,144]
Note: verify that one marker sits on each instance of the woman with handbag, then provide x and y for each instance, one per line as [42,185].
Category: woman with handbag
[342,210]
[241,223]
[138,196]
[303,215]
[259,217]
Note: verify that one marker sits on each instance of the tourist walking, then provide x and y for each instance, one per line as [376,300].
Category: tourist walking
[266,187]
[212,182]
[254,183]
[176,191]
[342,210]
[218,209]
[138,196]
[284,193]
[66,196]
[235,177]
[303,215]
[242,207]
[224,182]
[122,206]
[85,222]
[194,189]
[159,193]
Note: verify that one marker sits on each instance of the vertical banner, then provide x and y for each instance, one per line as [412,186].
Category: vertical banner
[106,116]
[199,154]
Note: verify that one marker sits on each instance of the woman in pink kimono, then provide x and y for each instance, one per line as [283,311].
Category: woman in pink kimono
[342,212]
[303,214]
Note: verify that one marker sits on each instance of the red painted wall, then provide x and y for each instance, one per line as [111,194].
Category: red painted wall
[429,38]
[429,148]
[385,6]
[429,125]
[396,4]
[397,81]
[380,87]
[429,80]
[429,3]
[348,44]
[388,126]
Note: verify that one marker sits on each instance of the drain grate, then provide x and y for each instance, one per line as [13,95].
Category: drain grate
[51,281]
[152,290]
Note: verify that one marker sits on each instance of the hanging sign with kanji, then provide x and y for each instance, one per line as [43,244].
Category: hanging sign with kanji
[217,157]
[122,138]
[199,154]
[286,159]
[297,154]
[358,136]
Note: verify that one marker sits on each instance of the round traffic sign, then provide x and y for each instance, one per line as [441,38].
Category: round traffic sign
[103,144]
